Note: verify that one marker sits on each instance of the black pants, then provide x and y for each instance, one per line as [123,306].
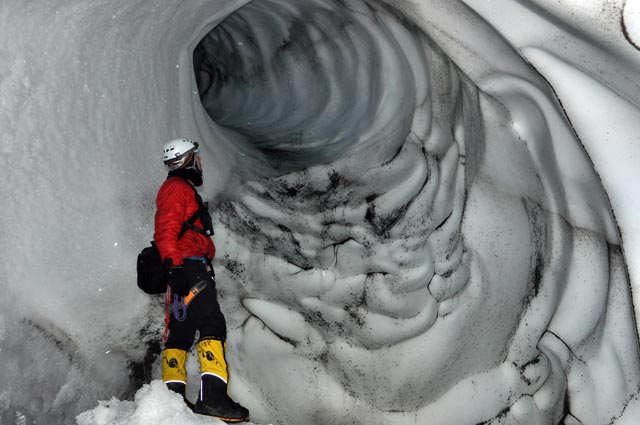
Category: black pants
[203,313]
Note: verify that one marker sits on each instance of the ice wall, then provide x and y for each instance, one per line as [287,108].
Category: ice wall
[89,92]
[465,262]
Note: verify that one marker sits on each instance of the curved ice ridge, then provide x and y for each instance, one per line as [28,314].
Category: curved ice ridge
[374,266]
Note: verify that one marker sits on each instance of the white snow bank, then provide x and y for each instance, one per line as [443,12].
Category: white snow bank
[154,404]
[631,21]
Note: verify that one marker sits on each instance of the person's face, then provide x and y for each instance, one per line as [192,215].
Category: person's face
[198,163]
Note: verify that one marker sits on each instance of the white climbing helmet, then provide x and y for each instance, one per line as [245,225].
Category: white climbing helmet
[177,152]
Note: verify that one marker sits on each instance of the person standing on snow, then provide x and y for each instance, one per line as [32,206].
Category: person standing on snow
[182,235]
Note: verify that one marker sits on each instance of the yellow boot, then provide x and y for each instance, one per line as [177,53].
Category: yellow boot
[213,399]
[174,373]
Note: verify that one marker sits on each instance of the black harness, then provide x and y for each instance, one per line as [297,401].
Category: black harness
[203,214]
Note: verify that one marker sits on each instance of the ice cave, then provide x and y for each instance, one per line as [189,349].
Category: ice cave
[425,210]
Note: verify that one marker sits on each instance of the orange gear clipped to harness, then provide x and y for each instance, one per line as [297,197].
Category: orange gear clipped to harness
[195,290]
[185,301]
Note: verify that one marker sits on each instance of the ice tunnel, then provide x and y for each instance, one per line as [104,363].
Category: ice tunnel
[305,82]
[423,210]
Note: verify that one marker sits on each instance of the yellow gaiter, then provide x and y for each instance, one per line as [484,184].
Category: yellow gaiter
[173,365]
[211,355]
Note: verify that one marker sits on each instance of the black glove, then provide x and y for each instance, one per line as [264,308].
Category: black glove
[178,281]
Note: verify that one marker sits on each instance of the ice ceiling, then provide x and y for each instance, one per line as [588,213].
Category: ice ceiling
[425,208]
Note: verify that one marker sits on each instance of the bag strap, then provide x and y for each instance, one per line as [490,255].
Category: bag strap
[189,224]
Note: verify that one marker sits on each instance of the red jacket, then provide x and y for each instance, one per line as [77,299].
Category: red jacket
[176,203]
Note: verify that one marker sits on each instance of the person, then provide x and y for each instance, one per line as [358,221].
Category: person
[182,235]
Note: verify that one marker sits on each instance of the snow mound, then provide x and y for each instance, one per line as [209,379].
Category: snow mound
[154,404]
[631,22]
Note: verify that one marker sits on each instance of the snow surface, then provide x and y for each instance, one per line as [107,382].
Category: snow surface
[89,91]
[631,20]
[152,405]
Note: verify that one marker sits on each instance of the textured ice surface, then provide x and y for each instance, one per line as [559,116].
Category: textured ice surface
[410,230]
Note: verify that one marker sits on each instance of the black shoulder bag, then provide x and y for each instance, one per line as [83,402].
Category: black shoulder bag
[152,274]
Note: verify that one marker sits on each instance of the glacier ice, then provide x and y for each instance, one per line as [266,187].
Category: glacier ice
[412,226]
